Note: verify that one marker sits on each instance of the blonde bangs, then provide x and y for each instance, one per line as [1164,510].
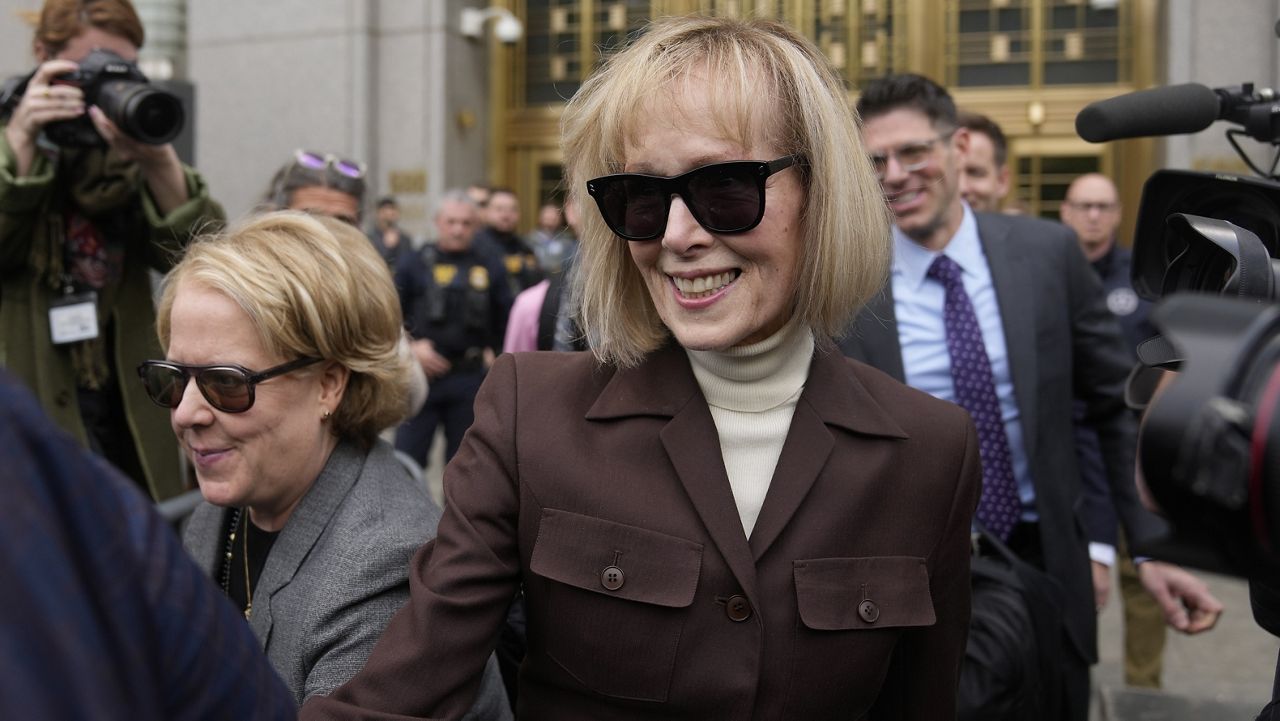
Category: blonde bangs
[771,86]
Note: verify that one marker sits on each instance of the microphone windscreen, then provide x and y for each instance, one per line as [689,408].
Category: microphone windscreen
[1168,110]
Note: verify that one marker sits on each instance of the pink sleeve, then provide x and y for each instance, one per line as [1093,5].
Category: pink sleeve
[522,324]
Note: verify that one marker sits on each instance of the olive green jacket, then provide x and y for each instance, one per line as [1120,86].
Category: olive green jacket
[32,227]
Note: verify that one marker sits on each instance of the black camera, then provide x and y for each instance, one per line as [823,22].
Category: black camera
[1207,233]
[119,88]
[1207,245]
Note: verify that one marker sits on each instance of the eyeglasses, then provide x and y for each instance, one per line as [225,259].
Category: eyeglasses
[910,156]
[229,388]
[722,197]
[1087,207]
[309,168]
[324,161]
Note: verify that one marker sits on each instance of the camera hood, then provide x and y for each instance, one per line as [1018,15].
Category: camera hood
[1212,438]
[1208,233]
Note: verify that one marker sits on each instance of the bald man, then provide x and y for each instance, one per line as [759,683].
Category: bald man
[1092,210]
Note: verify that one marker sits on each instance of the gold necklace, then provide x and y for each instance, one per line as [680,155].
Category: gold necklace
[248,589]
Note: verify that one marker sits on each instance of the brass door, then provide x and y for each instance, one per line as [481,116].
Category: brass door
[1029,64]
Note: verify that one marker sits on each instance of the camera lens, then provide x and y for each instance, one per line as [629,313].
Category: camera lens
[155,117]
[141,111]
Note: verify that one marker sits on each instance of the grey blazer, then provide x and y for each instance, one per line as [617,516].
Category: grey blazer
[1063,344]
[338,571]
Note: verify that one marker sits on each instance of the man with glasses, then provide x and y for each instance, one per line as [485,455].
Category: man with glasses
[1002,315]
[1092,210]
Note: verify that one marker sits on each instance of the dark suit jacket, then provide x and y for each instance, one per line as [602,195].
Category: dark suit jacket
[604,493]
[1063,344]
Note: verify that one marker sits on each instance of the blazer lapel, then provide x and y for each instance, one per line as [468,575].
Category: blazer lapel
[1016,296]
[664,385]
[303,529]
[873,338]
[207,521]
[832,396]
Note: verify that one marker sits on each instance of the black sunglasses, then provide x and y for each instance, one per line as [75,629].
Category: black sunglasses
[722,197]
[229,388]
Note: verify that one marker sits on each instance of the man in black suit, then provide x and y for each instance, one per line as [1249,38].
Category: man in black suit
[1048,339]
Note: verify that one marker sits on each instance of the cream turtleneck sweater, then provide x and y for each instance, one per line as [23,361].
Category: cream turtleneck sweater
[752,391]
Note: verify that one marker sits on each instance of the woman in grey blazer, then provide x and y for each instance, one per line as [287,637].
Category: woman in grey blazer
[289,326]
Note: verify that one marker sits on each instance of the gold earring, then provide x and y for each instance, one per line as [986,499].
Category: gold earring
[325,416]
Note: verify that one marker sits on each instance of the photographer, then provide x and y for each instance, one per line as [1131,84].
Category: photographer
[86,209]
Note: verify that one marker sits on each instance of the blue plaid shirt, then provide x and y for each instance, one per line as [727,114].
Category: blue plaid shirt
[102,614]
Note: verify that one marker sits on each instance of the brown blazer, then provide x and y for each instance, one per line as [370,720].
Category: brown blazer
[603,492]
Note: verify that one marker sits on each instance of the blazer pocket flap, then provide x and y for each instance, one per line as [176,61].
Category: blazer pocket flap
[840,594]
[615,559]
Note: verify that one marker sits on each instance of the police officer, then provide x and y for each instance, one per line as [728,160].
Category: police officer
[1092,210]
[500,239]
[455,302]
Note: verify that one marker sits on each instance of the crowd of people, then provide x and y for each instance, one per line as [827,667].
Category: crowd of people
[802,358]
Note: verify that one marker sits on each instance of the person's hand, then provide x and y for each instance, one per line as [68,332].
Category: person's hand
[489,357]
[160,166]
[1101,584]
[433,364]
[127,148]
[1187,604]
[43,102]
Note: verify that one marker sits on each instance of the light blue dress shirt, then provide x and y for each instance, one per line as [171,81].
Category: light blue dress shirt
[918,304]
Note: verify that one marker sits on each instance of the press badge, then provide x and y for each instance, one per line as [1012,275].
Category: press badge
[74,318]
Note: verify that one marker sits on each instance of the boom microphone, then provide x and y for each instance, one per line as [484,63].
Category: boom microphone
[1168,110]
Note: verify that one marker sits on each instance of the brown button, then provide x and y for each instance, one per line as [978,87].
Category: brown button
[738,609]
[63,399]
[612,578]
[869,611]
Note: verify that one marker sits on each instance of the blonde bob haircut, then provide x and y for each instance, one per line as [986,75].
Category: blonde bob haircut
[767,85]
[313,287]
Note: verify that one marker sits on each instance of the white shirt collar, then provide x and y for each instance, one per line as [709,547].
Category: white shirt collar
[912,260]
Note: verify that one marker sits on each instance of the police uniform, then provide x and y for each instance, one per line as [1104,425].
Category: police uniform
[517,258]
[1115,269]
[459,301]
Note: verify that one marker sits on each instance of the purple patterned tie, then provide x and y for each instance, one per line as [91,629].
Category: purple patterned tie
[975,386]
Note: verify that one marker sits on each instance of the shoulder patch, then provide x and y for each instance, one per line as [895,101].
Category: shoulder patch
[1122,301]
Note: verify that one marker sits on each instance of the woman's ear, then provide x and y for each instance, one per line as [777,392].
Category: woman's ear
[333,384]
[41,52]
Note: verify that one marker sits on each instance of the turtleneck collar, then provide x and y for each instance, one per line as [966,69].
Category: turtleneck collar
[756,377]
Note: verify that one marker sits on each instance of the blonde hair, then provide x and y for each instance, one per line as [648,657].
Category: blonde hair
[769,84]
[314,287]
